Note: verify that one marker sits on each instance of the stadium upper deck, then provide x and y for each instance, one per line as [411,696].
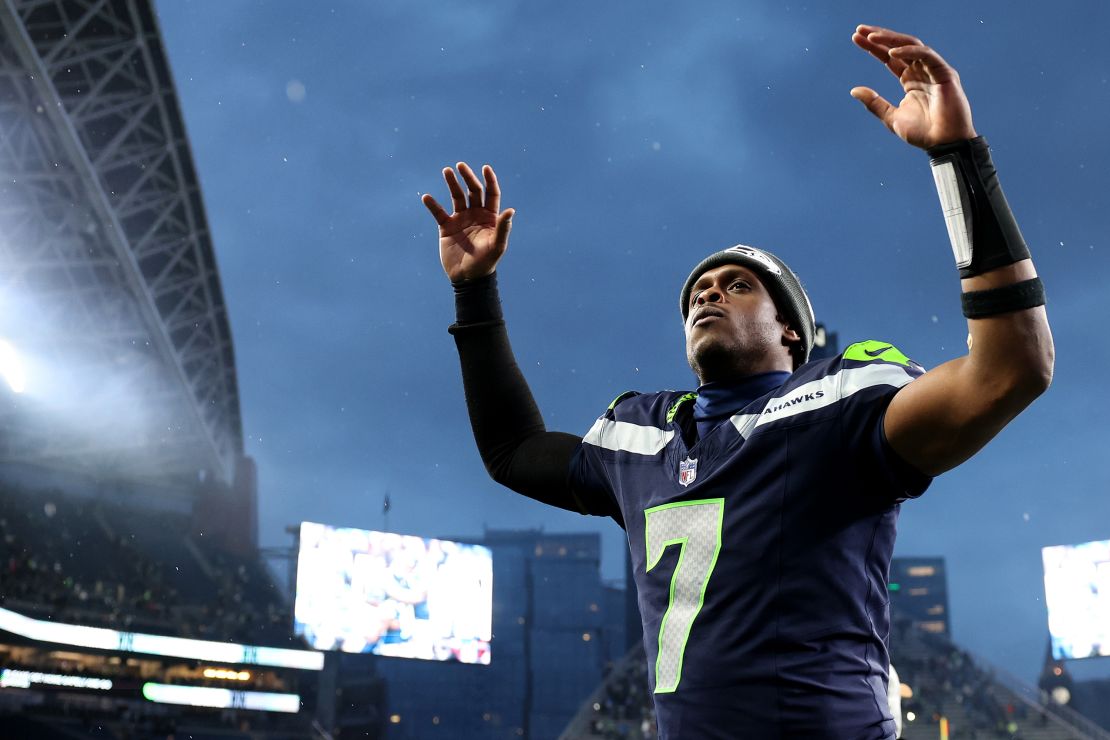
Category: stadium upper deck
[109,290]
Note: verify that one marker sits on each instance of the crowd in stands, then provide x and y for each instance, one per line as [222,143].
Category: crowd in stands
[623,709]
[947,682]
[91,562]
[247,606]
[944,680]
[136,723]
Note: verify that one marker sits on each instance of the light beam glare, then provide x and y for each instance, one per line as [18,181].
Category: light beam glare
[11,368]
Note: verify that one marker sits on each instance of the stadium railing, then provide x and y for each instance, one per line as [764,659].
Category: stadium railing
[319,733]
[1033,698]
[1006,688]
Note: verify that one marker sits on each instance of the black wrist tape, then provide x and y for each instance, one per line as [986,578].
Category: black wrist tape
[981,227]
[477,301]
[979,304]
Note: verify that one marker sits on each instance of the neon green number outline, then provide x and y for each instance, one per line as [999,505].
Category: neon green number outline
[674,527]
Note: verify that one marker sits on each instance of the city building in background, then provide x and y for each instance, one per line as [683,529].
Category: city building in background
[919,594]
[553,631]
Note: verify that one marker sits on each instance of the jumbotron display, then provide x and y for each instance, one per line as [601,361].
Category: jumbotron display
[360,591]
[1077,593]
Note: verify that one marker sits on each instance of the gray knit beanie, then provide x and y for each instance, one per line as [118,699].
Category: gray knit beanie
[781,282]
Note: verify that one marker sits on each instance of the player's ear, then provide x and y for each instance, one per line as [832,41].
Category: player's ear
[789,336]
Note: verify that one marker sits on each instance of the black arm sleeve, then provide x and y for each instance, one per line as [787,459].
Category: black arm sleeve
[515,446]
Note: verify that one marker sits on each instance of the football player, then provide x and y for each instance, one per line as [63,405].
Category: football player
[760,509]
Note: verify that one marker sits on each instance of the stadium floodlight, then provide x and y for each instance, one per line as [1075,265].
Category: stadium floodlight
[11,368]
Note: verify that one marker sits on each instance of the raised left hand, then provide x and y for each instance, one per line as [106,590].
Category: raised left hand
[935,109]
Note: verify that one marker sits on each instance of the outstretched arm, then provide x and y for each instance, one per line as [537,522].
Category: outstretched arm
[946,416]
[515,446]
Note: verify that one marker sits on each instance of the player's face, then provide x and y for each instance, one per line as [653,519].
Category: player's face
[733,327]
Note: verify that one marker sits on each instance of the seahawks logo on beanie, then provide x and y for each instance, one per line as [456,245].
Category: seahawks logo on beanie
[758,256]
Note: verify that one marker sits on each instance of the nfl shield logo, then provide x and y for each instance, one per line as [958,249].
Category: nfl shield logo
[687,471]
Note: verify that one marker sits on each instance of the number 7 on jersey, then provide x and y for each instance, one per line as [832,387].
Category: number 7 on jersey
[695,526]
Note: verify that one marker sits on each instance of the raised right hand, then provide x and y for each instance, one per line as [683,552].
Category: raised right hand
[935,109]
[473,238]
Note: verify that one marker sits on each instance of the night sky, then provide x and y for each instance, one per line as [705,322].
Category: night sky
[632,140]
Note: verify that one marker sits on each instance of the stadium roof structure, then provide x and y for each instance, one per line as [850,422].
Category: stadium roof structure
[107,270]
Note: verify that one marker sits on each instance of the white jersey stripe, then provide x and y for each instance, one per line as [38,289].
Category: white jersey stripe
[744,423]
[820,393]
[622,435]
[858,378]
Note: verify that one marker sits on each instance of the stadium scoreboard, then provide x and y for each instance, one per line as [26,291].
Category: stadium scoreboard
[1077,595]
[361,591]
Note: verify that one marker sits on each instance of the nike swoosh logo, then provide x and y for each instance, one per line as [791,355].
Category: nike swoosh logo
[877,352]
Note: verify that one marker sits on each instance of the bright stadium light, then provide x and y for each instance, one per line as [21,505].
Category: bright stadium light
[171,647]
[11,368]
[202,696]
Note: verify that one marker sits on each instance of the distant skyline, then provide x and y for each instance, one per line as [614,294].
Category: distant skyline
[631,145]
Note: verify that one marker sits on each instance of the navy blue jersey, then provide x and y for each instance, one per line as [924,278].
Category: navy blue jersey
[761,550]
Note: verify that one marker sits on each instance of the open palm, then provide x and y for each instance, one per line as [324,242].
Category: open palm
[935,109]
[475,235]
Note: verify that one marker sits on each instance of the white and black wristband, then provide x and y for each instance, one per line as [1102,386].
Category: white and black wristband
[981,227]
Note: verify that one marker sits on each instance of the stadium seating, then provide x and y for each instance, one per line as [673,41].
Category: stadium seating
[104,564]
[946,682]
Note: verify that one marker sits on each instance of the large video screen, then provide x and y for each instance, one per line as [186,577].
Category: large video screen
[360,591]
[1077,593]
